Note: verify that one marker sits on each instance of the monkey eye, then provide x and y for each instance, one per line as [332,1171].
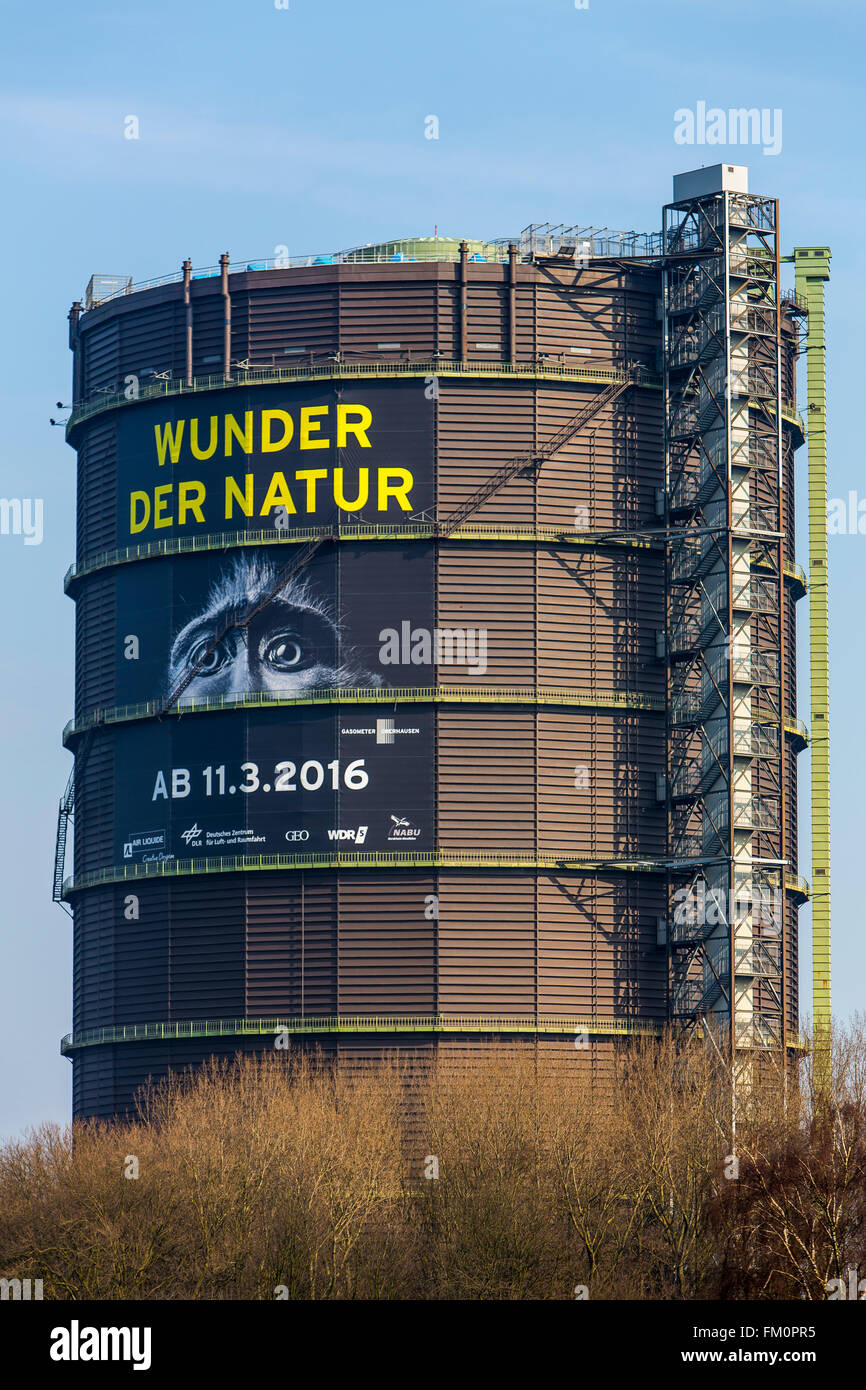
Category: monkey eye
[283,652]
[212,658]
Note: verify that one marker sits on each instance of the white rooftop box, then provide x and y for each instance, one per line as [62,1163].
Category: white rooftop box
[717,178]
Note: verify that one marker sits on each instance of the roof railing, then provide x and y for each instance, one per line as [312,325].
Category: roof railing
[538,239]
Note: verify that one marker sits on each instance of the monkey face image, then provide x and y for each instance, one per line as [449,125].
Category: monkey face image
[292,645]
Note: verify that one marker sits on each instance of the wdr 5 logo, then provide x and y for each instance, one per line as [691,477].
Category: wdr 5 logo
[356,836]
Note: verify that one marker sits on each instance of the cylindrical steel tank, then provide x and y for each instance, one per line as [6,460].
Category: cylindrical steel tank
[348,775]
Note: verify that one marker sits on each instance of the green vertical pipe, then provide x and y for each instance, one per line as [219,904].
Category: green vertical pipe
[812,269]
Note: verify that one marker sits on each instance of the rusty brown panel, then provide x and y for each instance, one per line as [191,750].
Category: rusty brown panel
[387,943]
[100,355]
[597,774]
[207,336]
[525,318]
[94,790]
[487,321]
[486,943]
[486,779]
[275,943]
[598,614]
[387,312]
[598,952]
[207,949]
[610,470]
[479,428]
[608,313]
[447,320]
[95,645]
[570,317]
[598,956]
[97,489]
[302,319]
[490,589]
[321,936]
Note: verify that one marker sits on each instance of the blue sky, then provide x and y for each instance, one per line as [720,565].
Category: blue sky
[262,127]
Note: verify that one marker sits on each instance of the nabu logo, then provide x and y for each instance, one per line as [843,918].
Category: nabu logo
[402,829]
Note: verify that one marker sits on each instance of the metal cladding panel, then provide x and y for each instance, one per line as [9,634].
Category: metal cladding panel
[93,1091]
[375,315]
[487,944]
[97,490]
[576,316]
[207,951]
[487,323]
[95,773]
[603,313]
[604,316]
[790,616]
[286,326]
[101,356]
[144,942]
[598,615]
[151,341]
[208,355]
[479,428]
[95,644]
[596,784]
[791,823]
[275,946]
[94,960]
[321,945]
[789,359]
[608,475]
[119,344]
[578,619]
[792,973]
[110,1082]
[139,1065]
[486,779]
[447,320]
[489,589]
[378,952]
[387,961]
[789,513]
[597,951]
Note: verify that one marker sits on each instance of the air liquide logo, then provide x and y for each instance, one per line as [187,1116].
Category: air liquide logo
[77,1343]
[147,842]
[356,836]
[402,831]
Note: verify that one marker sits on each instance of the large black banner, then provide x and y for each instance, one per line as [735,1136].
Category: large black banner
[199,631]
[286,457]
[279,781]
[358,614]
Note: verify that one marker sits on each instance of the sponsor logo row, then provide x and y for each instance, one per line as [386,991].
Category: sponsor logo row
[152,844]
